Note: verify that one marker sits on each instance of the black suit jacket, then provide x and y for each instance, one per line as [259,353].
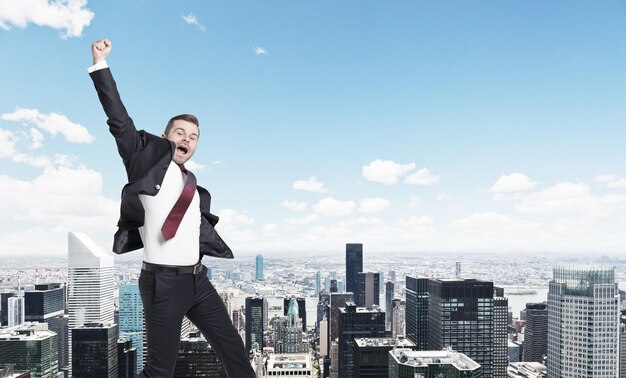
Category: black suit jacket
[146,158]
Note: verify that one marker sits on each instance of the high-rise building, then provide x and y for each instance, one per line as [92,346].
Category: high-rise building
[131,320]
[16,310]
[356,322]
[288,332]
[31,347]
[406,363]
[535,333]
[318,283]
[398,316]
[323,308]
[4,306]
[256,315]
[94,350]
[196,358]
[301,302]
[417,311]
[323,335]
[583,322]
[90,285]
[259,267]
[46,304]
[461,316]
[368,293]
[371,358]
[622,344]
[389,295]
[337,300]
[500,335]
[126,359]
[354,265]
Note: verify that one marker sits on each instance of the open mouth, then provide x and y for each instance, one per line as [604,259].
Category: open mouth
[182,149]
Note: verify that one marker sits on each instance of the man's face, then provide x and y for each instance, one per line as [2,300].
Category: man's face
[184,134]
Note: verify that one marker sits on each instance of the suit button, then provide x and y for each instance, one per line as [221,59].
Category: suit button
[157,187]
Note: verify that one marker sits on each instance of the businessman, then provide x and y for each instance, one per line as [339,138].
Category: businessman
[166,213]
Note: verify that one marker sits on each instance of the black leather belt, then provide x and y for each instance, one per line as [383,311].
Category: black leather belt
[195,269]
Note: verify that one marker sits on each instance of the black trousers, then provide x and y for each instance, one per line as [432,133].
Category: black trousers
[169,296]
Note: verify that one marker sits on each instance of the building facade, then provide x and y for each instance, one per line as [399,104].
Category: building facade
[583,322]
[355,322]
[354,265]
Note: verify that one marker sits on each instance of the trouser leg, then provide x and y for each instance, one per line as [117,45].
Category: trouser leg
[210,316]
[164,306]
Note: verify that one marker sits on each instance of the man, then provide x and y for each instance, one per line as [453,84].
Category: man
[166,213]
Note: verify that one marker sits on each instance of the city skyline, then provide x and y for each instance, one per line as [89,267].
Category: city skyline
[411,128]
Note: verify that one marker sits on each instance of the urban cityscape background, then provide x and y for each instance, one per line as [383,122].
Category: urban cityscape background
[352,314]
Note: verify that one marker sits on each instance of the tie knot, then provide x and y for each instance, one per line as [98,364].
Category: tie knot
[182,167]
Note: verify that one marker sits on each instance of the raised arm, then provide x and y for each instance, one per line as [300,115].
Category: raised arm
[120,124]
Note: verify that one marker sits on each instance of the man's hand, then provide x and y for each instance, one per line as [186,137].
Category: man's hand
[100,50]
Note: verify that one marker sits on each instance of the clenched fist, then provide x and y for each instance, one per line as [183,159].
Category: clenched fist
[100,50]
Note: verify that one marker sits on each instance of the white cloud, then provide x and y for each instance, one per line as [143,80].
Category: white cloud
[562,198]
[374,205]
[193,166]
[416,221]
[65,198]
[442,197]
[7,143]
[37,139]
[515,182]
[294,205]
[303,220]
[386,171]
[492,223]
[361,221]
[421,177]
[270,227]
[611,181]
[310,185]
[230,217]
[259,51]
[332,207]
[54,123]
[70,16]
[191,19]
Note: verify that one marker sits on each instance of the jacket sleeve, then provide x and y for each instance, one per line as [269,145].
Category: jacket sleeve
[120,124]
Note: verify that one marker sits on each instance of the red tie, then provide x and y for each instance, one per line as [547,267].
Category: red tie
[170,226]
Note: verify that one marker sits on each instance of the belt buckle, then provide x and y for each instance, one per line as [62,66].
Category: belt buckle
[197,268]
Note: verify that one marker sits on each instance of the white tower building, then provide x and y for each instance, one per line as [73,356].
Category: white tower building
[90,283]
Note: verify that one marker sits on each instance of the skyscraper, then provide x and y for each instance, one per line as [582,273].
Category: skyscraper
[337,300]
[47,304]
[583,322]
[31,347]
[16,310]
[354,265]
[461,316]
[259,267]
[126,359]
[90,285]
[256,317]
[301,308]
[389,295]
[398,318]
[196,358]
[94,350]
[356,322]
[417,311]
[500,334]
[131,320]
[368,293]
[288,331]
[535,333]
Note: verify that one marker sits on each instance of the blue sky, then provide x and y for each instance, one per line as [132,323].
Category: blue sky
[411,127]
